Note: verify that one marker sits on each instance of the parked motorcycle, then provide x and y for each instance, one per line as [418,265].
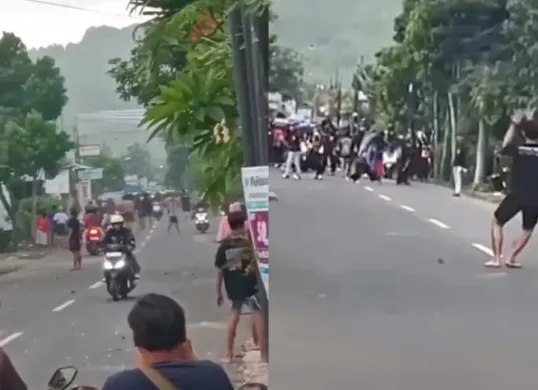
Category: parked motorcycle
[118,272]
[94,237]
[201,220]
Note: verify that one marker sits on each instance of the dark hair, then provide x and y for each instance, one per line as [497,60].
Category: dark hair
[157,322]
[236,220]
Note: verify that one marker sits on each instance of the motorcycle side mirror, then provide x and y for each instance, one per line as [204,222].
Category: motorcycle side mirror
[62,378]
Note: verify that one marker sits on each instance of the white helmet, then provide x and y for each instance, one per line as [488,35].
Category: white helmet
[114,219]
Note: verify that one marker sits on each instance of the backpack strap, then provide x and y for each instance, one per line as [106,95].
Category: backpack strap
[157,378]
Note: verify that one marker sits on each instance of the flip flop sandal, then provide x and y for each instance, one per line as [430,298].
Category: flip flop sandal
[513,265]
[492,264]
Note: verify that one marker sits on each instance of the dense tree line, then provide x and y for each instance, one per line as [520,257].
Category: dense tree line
[471,63]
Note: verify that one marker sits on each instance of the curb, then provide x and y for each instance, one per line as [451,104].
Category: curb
[249,368]
[10,268]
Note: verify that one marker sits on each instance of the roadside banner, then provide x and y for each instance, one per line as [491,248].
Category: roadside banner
[256,190]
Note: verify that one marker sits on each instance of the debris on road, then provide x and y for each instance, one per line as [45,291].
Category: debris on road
[250,368]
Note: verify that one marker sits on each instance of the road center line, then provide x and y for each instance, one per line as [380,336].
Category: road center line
[10,338]
[483,249]
[369,189]
[96,284]
[438,223]
[407,208]
[385,197]
[64,305]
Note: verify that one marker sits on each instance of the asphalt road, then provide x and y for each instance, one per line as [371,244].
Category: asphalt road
[383,287]
[51,317]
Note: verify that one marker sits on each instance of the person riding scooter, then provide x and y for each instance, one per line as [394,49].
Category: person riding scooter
[119,234]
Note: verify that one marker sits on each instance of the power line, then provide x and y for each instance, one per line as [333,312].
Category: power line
[74,7]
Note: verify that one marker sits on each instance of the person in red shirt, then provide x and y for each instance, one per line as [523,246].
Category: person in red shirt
[44,229]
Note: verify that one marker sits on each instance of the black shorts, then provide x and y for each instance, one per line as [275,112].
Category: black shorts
[172,219]
[510,206]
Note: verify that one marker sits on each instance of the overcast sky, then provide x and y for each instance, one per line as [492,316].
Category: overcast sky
[41,25]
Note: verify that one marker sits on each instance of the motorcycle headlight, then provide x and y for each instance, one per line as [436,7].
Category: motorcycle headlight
[108,265]
[120,264]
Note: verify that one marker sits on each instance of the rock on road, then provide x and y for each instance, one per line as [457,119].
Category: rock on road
[56,318]
[383,287]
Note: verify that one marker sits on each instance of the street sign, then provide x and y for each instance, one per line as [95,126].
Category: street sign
[89,150]
[90,174]
[256,190]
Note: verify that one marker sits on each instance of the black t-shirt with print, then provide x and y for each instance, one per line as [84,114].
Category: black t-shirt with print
[524,173]
[233,257]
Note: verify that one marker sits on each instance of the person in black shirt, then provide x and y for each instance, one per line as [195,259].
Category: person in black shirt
[75,228]
[235,263]
[520,142]
[158,325]
[293,144]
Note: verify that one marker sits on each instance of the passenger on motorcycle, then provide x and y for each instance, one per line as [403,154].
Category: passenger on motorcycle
[119,234]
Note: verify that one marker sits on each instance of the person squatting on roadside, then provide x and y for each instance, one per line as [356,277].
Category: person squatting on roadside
[521,143]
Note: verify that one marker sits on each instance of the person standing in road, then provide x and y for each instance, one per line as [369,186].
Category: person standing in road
[344,147]
[293,144]
[521,143]
[459,166]
[173,209]
[9,377]
[233,261]
[75,228]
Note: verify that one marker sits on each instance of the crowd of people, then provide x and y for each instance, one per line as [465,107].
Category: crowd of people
[354,149]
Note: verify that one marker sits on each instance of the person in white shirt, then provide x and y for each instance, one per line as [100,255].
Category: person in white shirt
[60,223]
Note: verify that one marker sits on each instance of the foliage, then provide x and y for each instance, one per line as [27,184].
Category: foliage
[113,172]
[137,161]
[32,96]
[471,62]
[286,72]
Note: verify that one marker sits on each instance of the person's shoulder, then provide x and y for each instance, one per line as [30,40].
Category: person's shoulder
[124,380]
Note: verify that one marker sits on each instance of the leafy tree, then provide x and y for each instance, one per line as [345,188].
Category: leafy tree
[177,163]
[32,95]
[113,172]
[137,161]
[286,72]
[35,148]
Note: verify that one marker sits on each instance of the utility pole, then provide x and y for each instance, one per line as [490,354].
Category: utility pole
[251,64]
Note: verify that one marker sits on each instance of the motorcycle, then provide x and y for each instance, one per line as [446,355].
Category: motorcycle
[118,272]
[94,236]
[201,221]
[157,211]
[389,163]
[63,377]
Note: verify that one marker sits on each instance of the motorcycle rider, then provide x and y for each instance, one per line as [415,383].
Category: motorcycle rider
[119,234]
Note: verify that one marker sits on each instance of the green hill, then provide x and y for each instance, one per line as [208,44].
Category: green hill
[84,66]
[334,34]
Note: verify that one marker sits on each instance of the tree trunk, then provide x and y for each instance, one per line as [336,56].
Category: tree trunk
[481,146]
[453,131]
[436,159]
[445,152]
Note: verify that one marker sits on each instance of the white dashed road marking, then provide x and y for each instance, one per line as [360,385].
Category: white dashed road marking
[369,189]
[64,305]
[407,208]
[96,284]
[438,223]
[385,197]
[10,338]
[491,275]
[483,249]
